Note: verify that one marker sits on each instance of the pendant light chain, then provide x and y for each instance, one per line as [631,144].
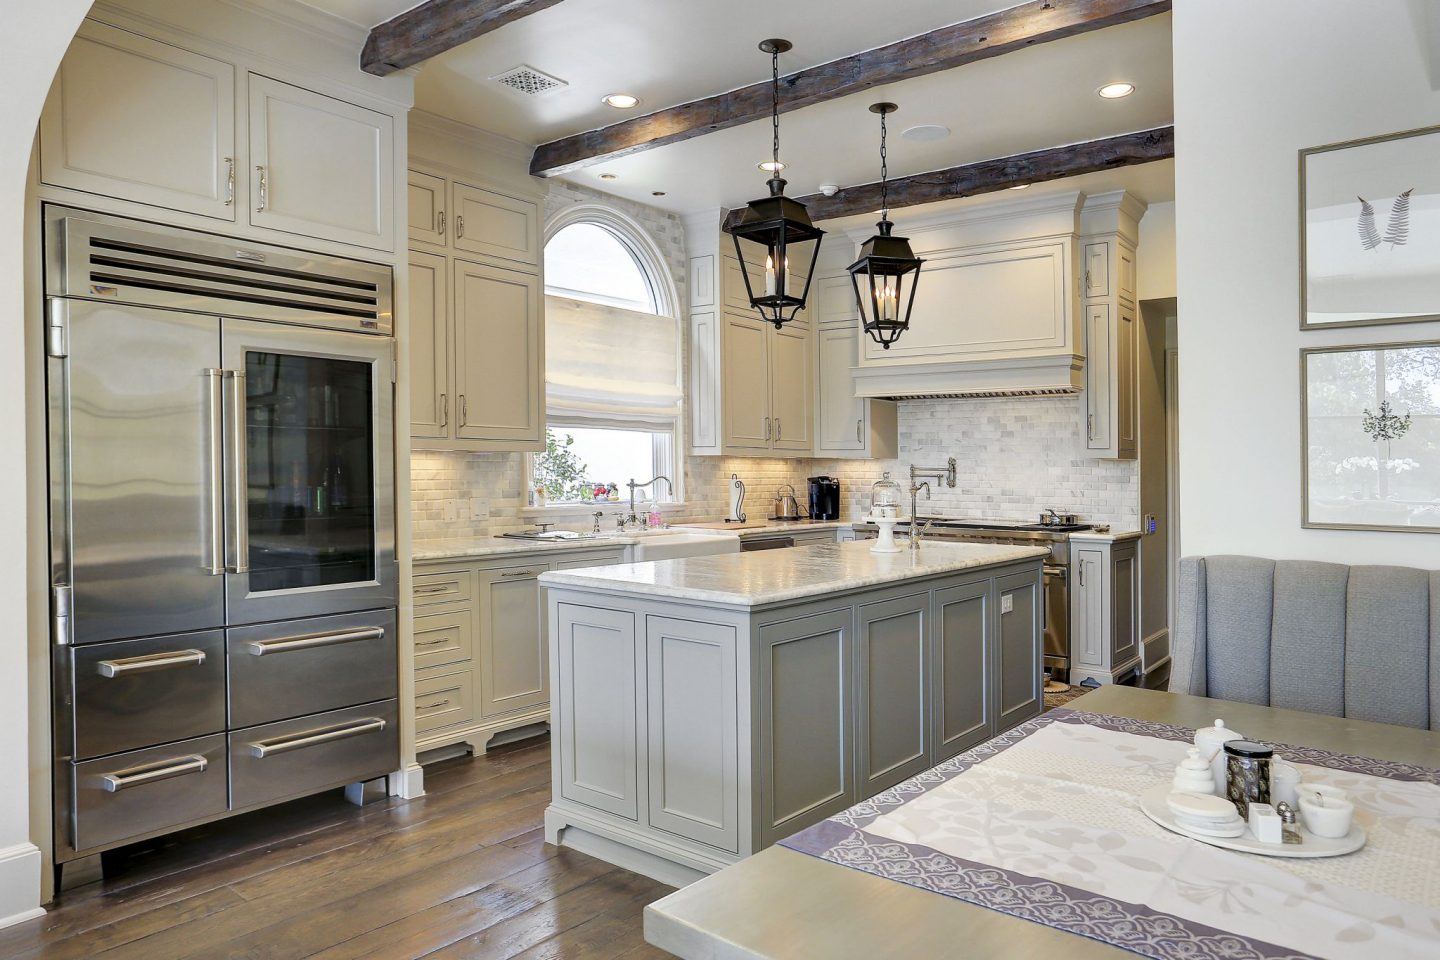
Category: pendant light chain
[884,174]
[775,110]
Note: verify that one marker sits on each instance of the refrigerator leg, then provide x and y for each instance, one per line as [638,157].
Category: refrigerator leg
[366,792]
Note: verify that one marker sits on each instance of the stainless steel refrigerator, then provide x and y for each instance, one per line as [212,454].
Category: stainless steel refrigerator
[222,517]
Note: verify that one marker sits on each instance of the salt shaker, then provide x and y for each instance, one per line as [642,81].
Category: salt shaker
[1211,743]
[1192,775]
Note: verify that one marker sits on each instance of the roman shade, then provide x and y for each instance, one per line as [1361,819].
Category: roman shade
[607,365]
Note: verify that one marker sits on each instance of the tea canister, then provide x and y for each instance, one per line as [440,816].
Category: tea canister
[1247,781]
[1210,741]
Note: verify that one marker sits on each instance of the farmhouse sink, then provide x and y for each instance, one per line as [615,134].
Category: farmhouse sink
[671,546]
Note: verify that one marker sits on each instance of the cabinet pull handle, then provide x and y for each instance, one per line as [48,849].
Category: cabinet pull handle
[430,643]
[153,772]
[859,431]
[229,181]
[1090,426]
[438,588]
[260,648]
[440,223]
[520,573]
[460,227]
[153,661]
[264,188]
[777,428]
[463,410]
[311,738]
[444,410]
[767,428]
[1082,573]
[434,706]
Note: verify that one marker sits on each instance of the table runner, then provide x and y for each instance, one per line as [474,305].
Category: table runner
[1043,823]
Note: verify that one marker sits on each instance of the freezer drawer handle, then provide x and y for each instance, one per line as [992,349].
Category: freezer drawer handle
[260,648]
[312,738]
[152,661]
[153,772]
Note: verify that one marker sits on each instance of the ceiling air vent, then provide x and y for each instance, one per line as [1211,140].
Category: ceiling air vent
[528,80]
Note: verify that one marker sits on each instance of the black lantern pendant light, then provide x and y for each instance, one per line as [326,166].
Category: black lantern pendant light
[776,223]
[885,262]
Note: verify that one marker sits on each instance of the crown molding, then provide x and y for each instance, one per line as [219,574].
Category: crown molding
[493,143]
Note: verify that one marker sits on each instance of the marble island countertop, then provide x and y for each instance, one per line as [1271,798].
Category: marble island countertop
[774,576]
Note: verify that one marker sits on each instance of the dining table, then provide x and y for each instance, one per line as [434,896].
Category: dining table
[787,903]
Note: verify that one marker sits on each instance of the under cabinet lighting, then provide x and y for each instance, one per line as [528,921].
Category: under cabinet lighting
[1114,91]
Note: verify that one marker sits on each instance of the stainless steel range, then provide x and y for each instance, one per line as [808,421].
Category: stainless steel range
[222,526]
[1055,533]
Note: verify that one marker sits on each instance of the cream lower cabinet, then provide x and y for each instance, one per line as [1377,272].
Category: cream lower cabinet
[1104,610]
[481,665]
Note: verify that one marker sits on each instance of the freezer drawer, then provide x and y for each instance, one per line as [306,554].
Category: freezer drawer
[297,757]
[300,667]
[147,791]
[135,693]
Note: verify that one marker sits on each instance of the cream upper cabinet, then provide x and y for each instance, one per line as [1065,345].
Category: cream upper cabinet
[428,220]
[499,362]
[745,367]
[846,426]
[429,346]
[135,118]
[496,226]
[790,394]
[320,167]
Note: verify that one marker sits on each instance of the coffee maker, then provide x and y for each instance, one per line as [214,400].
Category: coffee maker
[824,498]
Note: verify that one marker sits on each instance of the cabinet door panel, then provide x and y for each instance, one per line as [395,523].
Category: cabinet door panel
[1089,644]
[806,673]
[790,387]
[692,761]
[747,393]
[499,357]
[598,665]
[134,118]
[493,225]
[1126,346]
[514,672]
[430,398]
[1019,693]
[1124,584]
[841,413]
[963,695]
[1097,269]
[1099,374]
[426,209]
[327,166]
[892,734]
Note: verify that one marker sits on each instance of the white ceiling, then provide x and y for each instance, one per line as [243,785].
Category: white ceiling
[673,51]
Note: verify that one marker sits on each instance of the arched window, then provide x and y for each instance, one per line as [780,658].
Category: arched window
[612,359]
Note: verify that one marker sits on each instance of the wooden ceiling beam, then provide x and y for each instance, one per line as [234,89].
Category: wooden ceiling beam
[434,27]
[989,176]
[1038,21]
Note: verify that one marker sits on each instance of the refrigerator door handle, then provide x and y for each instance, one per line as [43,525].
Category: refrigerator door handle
[239,559]
[215,472]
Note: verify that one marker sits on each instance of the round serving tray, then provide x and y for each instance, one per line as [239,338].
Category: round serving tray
[1153,805]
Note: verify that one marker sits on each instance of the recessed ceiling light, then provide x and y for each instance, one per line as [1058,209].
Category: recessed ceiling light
[771,166]
[1021,186]
[621,101]
[926,133]
[657,193]
[607,176]
[1116,90]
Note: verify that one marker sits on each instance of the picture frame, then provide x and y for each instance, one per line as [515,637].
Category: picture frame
[1370,437]
[1370,231]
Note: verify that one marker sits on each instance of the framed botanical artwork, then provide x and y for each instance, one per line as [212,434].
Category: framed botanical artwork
[1370,231]
[1370,432]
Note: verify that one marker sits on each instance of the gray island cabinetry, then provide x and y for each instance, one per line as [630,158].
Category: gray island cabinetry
[705,708]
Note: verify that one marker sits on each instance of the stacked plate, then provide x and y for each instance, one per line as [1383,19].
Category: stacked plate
[1205,814]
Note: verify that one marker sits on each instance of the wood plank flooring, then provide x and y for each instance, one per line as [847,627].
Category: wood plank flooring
[463,872]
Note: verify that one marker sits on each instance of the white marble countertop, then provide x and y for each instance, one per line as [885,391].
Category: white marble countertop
[467,548]
[773,576]
[1109,536]
[762,528]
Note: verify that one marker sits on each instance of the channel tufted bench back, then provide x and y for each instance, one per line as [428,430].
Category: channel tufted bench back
[1358,642]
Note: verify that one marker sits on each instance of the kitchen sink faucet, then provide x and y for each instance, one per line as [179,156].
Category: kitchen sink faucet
[945,474]
[631,518]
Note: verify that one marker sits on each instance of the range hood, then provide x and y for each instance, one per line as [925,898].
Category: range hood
[954,380]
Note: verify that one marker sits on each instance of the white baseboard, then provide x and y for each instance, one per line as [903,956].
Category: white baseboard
[409,783]
[20,884]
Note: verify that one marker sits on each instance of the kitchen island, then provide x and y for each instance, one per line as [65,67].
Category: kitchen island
[704,708]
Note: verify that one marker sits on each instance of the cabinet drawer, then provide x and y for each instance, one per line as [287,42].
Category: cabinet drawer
[448,587]
[135,693]
[442,638]
[303,666]
[444,701]
[144,791]
[589,560]
[296,757]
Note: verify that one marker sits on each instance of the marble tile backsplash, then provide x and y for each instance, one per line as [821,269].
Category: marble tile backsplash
[1015,458]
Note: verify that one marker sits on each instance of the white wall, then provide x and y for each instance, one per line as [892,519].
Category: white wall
[1254,83]
[25,73]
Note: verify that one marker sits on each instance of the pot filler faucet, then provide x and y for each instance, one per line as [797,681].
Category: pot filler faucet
[938,474]
[631,518]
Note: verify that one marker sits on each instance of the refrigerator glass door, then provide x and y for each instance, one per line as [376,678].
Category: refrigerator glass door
[136,470]
[311,468]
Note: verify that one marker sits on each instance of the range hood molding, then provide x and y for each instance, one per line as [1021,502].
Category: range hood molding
[1061,375]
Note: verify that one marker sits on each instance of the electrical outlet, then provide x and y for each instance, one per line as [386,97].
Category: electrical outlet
[449,511]
[1007,602]
[479,508]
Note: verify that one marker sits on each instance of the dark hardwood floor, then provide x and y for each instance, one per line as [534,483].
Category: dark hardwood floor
[463,872]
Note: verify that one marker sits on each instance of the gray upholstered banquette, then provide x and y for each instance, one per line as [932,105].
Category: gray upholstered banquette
[1359,642]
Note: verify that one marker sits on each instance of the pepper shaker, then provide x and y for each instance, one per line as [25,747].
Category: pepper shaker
[1288,830]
